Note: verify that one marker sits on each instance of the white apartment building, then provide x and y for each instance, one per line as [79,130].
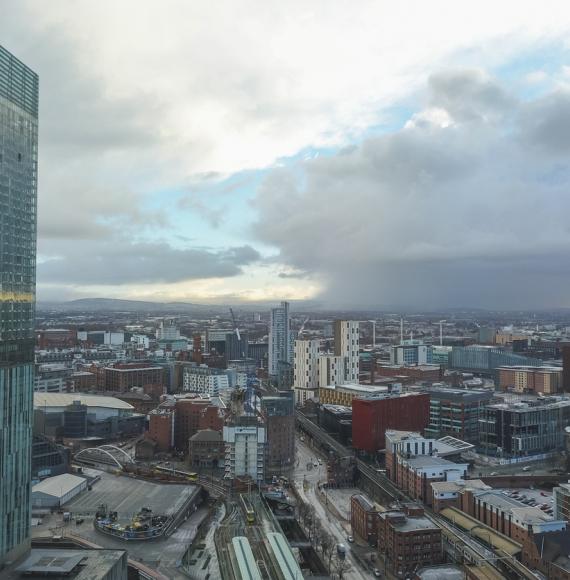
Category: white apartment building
[314,370]
[331,370]
[245,451]
[346,345]
[281,337]
[205,381]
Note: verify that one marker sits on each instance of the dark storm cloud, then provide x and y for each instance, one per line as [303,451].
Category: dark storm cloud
[455,209]
[121,262]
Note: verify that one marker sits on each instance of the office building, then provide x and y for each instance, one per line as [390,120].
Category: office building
[410,352]
[456,412]
[561,495]
[372,417]
[537,380]
[526,429]
[409,539]
[53,378]
[447,494]
[122,377]
[486,359]
[346,346]
[205,380]
[279,417]
[18,202]
[245,443]
[281,337]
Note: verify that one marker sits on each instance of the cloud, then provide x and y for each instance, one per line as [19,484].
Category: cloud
[114,262]
[458,213]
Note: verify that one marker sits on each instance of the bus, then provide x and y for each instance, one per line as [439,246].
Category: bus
[248,509]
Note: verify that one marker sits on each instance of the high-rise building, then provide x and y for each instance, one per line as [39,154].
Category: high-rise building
[18,200]
[281,337]
[346,345]
[279,415]
[566,369]
[245,442]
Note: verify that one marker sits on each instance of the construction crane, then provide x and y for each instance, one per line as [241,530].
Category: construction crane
[236,329]
[302,329]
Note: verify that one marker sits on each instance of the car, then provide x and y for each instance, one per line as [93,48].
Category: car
[320,461]
[350,539]
[377,573]
[527,468]
[493,473]
[315,464]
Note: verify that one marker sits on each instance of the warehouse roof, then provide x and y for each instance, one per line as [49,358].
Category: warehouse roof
[59,485]
[65,399]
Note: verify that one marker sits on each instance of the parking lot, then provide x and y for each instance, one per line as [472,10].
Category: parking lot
[127,496]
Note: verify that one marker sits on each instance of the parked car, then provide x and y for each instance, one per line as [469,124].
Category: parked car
[350,539]
[377,573]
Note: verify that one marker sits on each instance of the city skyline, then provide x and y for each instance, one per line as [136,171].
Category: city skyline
[426,163]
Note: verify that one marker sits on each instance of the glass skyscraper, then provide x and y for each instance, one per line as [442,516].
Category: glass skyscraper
[18,198]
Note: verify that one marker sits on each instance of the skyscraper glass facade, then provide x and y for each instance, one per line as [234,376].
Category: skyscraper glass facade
[18,198]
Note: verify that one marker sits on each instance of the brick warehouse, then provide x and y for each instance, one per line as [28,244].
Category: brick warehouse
[371,418]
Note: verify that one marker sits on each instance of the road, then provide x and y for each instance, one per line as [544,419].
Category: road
[312,476]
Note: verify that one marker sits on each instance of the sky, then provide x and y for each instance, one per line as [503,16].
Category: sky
[368,153]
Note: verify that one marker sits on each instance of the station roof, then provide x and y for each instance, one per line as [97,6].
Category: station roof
[43,400]
[479,530]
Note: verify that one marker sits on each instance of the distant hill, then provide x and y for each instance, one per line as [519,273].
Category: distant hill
[116,305]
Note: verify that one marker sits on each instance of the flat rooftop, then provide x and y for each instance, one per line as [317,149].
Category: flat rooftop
[61,563]
[55,400]
[127,496]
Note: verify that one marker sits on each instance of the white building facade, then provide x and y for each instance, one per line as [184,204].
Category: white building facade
[205,381]
[347,345]
[245,451]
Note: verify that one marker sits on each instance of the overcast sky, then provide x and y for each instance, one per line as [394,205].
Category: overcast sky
[358,153]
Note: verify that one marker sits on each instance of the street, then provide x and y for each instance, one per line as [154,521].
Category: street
[312,476]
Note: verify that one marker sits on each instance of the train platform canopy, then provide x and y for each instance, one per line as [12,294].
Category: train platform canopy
[479,530]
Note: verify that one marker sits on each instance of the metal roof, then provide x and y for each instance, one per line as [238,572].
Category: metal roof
[66,399]
[285,559]
[245,559]
[59,485]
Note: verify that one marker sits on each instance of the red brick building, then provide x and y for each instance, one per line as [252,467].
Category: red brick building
[409,540]
[193,415]
[161,428]
[364,519]
[56,338]
[123,376]
[371,418]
